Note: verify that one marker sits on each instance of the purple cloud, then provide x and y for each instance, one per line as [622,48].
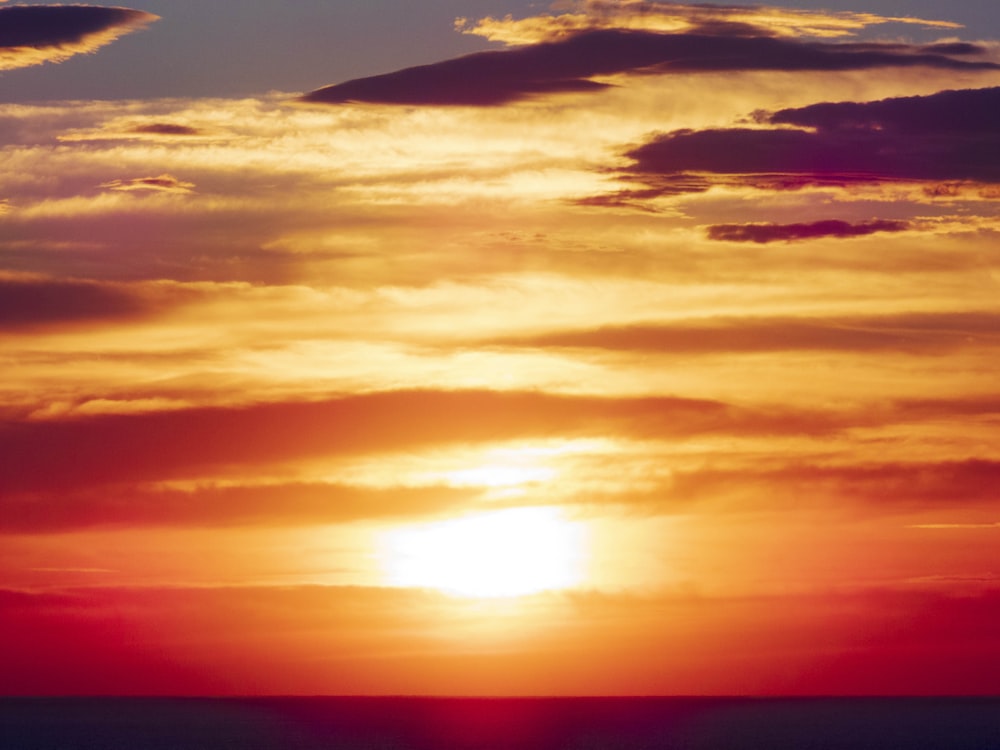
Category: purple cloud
[567,65]
[31,35]
[764,233]
[950,135]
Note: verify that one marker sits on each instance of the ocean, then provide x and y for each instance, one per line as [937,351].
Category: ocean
[349,723]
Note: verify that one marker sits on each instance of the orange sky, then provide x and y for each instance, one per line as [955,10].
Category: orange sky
[672,371]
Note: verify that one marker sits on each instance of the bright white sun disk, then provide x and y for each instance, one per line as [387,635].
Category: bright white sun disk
[504,553]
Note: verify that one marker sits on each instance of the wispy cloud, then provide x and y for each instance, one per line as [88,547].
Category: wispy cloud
[952,526]
[915,332]
[210,506]
[588,15]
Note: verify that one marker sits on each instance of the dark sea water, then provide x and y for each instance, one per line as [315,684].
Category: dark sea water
[507,723]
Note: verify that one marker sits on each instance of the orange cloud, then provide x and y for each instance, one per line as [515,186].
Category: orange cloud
[80,452]
[930,333]
[265,505]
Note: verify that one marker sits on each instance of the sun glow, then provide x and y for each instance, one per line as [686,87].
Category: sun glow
[505,553]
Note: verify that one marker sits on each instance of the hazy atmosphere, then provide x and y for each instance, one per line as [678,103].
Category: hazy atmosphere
[607,347]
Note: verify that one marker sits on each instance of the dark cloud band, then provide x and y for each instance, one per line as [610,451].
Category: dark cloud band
[568,65]
[942,137]
[764,233]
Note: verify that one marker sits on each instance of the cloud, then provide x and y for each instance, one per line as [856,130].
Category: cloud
[930,333]
[878,487]
[955,526]
[32,35]
[588,15]
[571,65]
[164,128]
[295,503]
[165,183]
[961,113]
[941,137]
[128,129]
[81,452]
[27,301]
[764,233]
[858,490]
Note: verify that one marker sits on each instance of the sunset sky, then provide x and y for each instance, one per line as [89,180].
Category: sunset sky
[475,347]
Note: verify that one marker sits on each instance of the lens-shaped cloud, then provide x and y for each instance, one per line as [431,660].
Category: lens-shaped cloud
[36,34]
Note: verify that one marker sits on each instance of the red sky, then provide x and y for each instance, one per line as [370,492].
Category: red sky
[649,349]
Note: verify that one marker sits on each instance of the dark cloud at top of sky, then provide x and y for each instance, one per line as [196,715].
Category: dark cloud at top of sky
[568,65]
[950,135]
[33,34]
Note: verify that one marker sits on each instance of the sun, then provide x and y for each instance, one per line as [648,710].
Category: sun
[503,553]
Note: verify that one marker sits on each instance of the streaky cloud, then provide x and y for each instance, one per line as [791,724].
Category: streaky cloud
[927,333]
[163,183]
[948,136]
[33,301]
[954,113]
[570,65]
[77,453]
[874,487]
[765,233]
[211,506]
